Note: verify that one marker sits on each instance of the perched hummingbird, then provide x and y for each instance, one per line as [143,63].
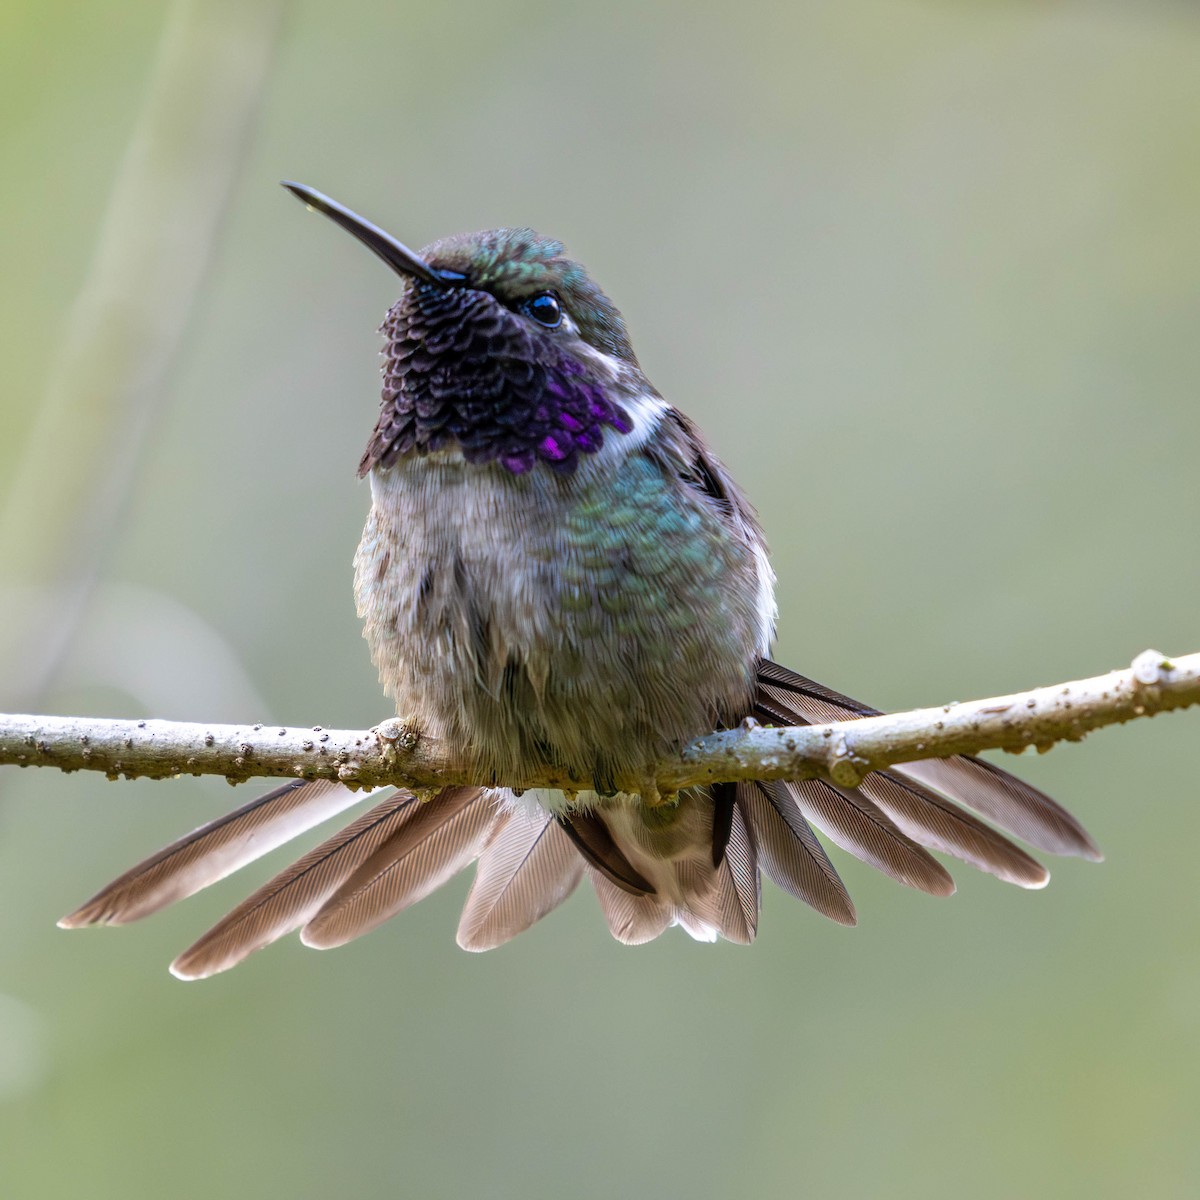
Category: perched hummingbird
[557,572]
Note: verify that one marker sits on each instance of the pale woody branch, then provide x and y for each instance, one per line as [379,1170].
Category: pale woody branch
[394,754]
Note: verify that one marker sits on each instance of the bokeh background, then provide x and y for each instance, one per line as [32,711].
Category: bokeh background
[927,274]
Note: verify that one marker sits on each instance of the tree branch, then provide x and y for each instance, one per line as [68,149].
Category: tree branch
[395,754]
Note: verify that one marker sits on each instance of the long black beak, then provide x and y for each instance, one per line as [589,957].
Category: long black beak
[397,255]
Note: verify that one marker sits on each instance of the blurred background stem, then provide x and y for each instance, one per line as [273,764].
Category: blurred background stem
[162,222]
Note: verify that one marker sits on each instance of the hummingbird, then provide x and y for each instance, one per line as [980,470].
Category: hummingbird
[558,573]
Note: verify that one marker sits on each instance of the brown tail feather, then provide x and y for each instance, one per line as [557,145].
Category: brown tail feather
[851,820]
[695,863]
[934,822]
[1011,802]
[295,895]
[738,893]
[632,919]
[788,851]
[787,698]
[672,849]
[594,841]
[444,835]
[214,851]
[528,868]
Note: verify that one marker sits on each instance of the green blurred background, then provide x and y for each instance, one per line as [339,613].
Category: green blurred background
[926,273]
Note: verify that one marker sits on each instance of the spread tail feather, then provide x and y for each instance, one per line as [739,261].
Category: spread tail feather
[738,893]
[919,801]
[673,848]
[213,851]
[850,820]
[789,853]
[528,868]
[694,863]
[632,919]
[439,839]
[295,895]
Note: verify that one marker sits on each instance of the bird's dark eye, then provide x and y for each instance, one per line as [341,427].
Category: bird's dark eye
[544,309]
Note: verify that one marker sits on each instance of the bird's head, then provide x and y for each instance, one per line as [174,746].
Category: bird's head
[499,347]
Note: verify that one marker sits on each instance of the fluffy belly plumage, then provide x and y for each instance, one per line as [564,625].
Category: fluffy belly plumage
[536,621]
